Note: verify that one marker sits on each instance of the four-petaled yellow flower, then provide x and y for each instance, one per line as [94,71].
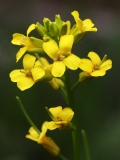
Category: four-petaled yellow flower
[62,118]
[94,66]
[61,55]
[20,39]
[42,139]
[85,25]
[27,77]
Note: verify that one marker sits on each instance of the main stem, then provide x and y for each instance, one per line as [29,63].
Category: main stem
[75,135]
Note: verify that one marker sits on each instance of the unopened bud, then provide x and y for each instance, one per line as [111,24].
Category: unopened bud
[46,22]
[84,77]
[58,21]
[53,30]
[41,30]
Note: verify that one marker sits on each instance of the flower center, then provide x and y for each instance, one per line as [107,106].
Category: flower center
[95,67]
[59,119]
[27,73]
[23,41]
[62,56]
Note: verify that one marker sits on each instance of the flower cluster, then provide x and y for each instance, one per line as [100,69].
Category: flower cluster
[56,41]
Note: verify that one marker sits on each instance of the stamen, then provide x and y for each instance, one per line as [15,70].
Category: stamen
[23,41]
[61,55]
[96,67]
[28,73]
[59,118]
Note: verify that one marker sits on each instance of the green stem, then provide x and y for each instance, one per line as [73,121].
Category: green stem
[62,157]
[26,115]
[63,92]
[75,85]
[86,145]
[75,136]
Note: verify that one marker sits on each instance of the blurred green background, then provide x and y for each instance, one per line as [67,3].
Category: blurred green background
[98,101]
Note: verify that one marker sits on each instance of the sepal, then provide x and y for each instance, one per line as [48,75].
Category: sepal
[84,77]
[63,29]
[37,42]
[78,36]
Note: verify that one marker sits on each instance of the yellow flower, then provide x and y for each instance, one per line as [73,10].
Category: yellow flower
[85,25]
[42,139]
[20,39]
[62,118]
[27,77]
[61,55]
[94,66]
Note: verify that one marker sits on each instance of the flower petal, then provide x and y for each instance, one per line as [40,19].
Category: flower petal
[26,83]
[33,134]
[87,24]
[58,68]
[97,73]
[52,125]
[51,48]
[66,43]
[16,75]
[72,61]
[86,65]
[20,53]
[28,61]
[94,57]
[31,27]
[79,22]
[37,73]
[17,37]
[66,114]
[44,130]
[56,110]
[106,65]
[75,14]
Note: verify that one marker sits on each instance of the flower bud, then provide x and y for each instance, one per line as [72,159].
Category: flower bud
[53,30]
[41,30]
[58,21]
[50,146]
[56,83]
[84,77]
[46,22]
